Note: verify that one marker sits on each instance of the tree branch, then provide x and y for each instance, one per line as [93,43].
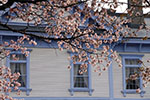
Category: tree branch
[72,4]
[38,36]
[7,5]
[10,2]
[147,2]
[30,1]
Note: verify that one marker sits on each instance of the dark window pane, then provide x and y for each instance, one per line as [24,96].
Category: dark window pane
[80,80]
[131,61]
[21,68]
[133,84]
[130,83]
[19,56]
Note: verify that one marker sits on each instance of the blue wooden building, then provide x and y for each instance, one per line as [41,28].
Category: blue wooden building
[45,76]
[44,73]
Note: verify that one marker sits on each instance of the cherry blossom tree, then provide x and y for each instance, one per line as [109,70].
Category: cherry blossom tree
[8,80]
[81,26]
[5,86]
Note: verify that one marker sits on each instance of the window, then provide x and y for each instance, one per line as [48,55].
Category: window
[129,70]
[21,65]
[80,80]
[131,67]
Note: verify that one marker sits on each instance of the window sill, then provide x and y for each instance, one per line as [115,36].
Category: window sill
[80,90]
[23,89]
[124,92]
